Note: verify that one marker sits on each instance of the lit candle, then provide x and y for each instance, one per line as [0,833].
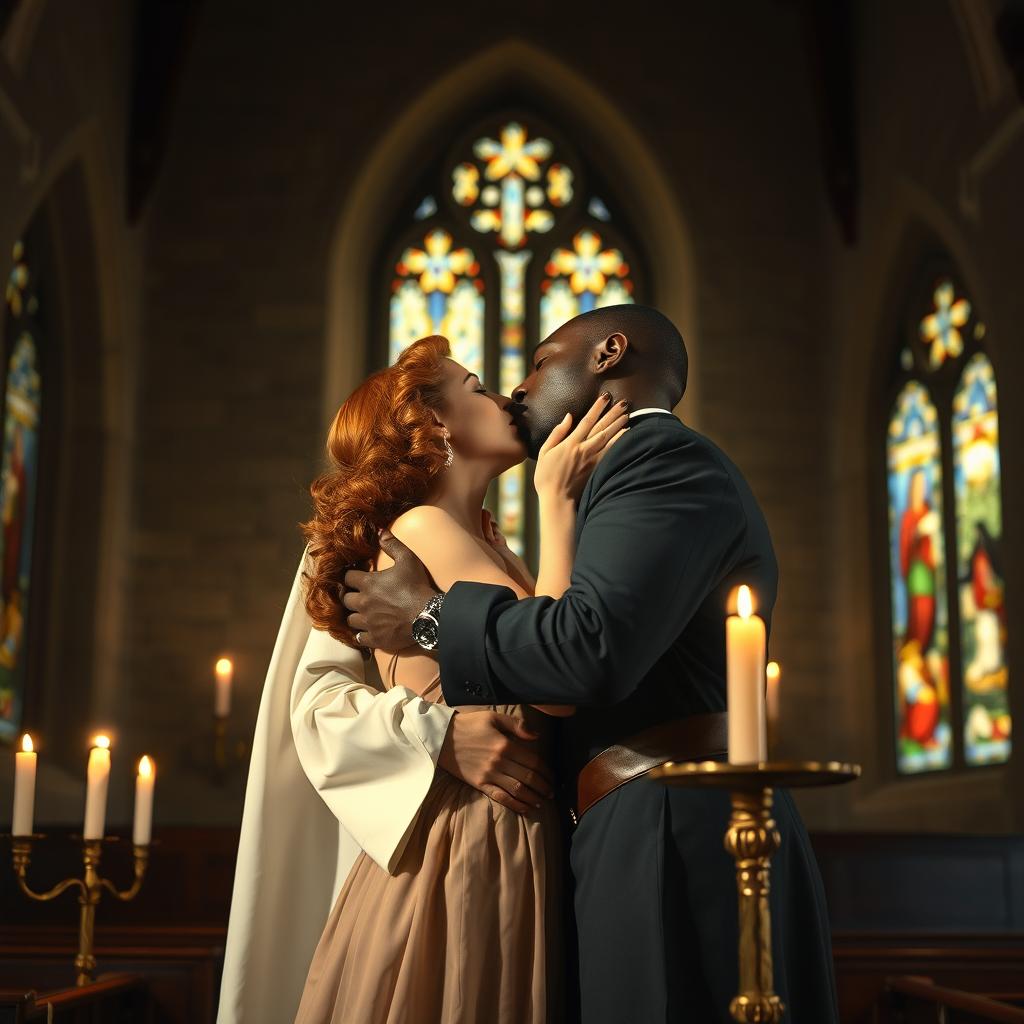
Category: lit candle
[772,672]
[222,699]
[745,648]
[143,825]
[24,788]
[98,776]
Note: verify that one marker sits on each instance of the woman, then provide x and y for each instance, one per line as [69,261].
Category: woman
[467,928]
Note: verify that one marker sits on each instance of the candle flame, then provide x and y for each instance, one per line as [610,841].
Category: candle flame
[145,765]
[101,741]
[26,744]
[745,602]
[224,667]
[772,670]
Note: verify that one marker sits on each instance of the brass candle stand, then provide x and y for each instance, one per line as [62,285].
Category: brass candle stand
[225,758]
[220,753]
[90,889]
[752,838]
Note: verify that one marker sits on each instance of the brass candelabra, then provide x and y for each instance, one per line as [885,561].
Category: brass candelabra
[90,887]
[751,838]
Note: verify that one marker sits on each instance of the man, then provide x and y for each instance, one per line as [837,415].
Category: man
[666,529]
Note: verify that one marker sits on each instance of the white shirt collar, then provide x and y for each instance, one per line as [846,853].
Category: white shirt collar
[644,412]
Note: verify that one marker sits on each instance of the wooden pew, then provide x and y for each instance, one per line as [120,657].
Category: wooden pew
[179,966]
[116,999]
[911,999]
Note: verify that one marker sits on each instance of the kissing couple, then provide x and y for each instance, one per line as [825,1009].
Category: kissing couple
[447,818]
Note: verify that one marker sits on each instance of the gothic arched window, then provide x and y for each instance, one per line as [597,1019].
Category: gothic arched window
[21,392]
[510,237]
[948,616]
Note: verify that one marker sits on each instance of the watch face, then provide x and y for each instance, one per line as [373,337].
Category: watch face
[424,632]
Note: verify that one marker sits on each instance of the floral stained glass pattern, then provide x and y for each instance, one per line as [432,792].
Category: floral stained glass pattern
[918,584]
[940,329]
[438,290]
[582,278]
[18,480]
[976,475]
[512,186]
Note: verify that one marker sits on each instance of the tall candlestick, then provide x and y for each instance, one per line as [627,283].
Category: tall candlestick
[98,776]
[745,650]
[222,699]
[24,788]
[142,828]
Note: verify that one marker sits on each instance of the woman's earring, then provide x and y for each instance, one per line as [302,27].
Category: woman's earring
[449,454]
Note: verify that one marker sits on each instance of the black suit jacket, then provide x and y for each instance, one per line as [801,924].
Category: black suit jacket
[666,528]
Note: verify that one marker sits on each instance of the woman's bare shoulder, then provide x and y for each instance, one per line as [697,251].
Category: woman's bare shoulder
[423,518]
[447,549]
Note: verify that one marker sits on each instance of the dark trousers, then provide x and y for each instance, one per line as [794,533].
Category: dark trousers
[657,915]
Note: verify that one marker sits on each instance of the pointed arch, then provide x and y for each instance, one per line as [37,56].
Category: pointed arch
[649,199]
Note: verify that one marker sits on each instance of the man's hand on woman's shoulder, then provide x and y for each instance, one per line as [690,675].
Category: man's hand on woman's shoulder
[383,604]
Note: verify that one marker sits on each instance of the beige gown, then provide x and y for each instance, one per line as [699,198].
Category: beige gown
[467,929]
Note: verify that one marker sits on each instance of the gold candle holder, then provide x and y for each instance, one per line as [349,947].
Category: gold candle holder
[220,756]
[90,888]
[226,758]
[752,838]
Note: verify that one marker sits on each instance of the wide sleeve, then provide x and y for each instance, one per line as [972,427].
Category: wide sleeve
[370,753]
[660,530]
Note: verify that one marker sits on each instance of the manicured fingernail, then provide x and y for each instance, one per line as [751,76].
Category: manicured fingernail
[624,403]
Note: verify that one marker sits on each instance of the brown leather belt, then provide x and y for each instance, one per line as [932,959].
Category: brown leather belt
[694,738]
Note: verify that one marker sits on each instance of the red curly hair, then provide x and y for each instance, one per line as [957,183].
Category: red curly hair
[385,450]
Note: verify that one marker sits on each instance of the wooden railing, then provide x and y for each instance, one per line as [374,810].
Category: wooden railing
[115,999]
[912,999]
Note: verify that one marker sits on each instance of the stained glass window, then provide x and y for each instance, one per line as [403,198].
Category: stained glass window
[979,564]
[511,245]
[437,290]
[19,473]
[920,629]
[945,535]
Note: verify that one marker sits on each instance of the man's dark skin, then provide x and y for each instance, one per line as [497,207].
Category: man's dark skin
[570,369]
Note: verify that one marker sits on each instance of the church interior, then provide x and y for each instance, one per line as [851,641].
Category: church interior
[218,217]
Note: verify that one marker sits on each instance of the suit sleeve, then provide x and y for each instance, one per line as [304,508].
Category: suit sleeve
[661,527]
[370,753]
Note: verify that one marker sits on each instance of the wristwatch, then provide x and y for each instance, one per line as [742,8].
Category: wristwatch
[426,627]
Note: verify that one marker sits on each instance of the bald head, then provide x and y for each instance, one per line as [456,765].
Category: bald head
[656,348]
[633,352]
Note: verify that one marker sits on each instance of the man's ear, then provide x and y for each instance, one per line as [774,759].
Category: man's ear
[610,352]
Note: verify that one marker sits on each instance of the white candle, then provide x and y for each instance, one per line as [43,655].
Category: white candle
[222,699]
[143,825]
[24,788]
[773,672]
[98,776]
[745,649]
